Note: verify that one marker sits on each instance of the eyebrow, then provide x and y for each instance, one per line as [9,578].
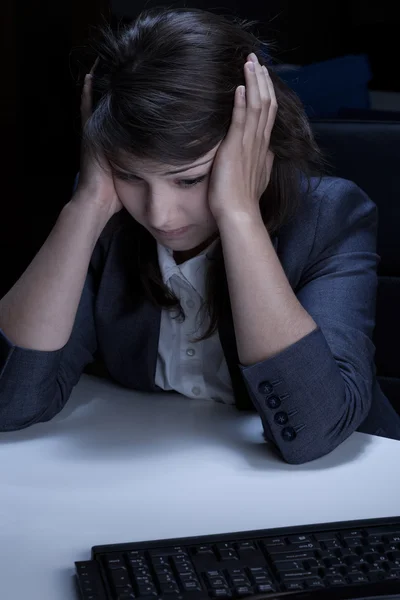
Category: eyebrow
[175,171]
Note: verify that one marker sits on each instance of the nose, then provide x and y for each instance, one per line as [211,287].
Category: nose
[162,211]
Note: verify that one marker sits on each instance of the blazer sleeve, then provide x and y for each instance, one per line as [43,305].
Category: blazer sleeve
[315,393]
[36,384]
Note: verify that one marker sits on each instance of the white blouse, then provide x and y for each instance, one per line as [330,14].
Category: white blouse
[194,369]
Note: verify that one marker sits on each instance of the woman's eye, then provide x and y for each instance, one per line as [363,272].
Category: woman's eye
[183,182]
[192,182]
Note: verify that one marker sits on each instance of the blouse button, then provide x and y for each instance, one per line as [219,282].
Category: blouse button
[190,352]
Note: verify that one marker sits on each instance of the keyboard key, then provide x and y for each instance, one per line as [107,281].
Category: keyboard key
[358,579]
[246,547]
[239,580]
[374,539]
[264,588]
[234,572]
[293,586]
[228,555]
[167,551]
[166,578]
[257,570]
[163,570]
[188,577]
[225,546]
[289,565]
[334,581]
[204,550]
[169,588]
[386,531]
[315,584]
[221,593]
[191,586]
[303,555]
[322,537]
[137,563]
[217,582]
[160,561]
[213,573]
[147,590]
[394,539]
[289,575]
[261,578]
[135,555]
[143,580]
[354,542]
[243,590]
[273,542]
[354,571]
[119,577]
[182,569]
[394,574]
[354,533]
[299,539]
[329,544]
[114,561]
[142,572]
[127,596]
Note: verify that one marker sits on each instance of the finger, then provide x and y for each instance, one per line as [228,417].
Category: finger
[265,97]
[253,101]
[86,99]
[273,108]
[238,120]
[94,65]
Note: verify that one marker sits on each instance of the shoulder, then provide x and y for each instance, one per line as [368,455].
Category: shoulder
[332,196]
[330,209]
[328,203]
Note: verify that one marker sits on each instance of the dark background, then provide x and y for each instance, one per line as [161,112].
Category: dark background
[43,46]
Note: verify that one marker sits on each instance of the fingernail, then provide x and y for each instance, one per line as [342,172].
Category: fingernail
[253,57]
[251,66]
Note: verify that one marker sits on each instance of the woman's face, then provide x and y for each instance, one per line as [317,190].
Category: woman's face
[172,207]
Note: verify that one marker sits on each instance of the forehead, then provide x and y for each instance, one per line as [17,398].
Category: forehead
[130,162]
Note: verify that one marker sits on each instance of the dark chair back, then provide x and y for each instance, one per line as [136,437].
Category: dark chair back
[368,153]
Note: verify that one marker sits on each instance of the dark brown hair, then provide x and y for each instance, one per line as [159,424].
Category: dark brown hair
[164,90]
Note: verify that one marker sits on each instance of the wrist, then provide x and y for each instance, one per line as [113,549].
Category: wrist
[232,219]
[94,216]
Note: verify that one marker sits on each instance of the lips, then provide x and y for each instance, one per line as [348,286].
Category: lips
[173,232]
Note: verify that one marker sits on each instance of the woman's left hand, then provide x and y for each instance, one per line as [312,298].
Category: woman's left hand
[243,162]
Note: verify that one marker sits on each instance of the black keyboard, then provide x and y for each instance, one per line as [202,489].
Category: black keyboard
[334,561]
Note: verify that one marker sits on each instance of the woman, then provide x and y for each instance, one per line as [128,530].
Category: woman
[230,269]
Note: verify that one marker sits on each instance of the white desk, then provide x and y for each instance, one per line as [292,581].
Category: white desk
[117,466]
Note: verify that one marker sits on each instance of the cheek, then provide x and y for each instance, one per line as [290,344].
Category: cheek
[132,199]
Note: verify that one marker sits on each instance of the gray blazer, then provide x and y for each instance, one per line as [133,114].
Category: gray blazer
[310,397]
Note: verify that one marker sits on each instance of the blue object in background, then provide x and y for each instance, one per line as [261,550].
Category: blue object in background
[329,86]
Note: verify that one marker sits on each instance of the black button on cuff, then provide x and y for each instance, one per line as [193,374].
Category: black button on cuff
[281,418]
[273,402]
[288,434]
[265,387]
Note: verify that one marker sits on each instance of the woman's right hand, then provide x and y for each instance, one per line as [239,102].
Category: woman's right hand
[96,184]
